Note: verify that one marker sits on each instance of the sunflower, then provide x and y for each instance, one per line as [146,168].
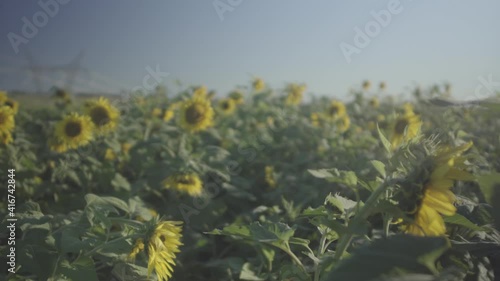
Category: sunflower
[196,114]
[366,85]
[258,84]
[236,96]
[336,110]
[227,106]
[188,183]
[12,104]
[344,123]
[109,154]
[126,147]
[7,122]
[405,128]
[162,247]
[156,112]
[382,86]
[73,131]
[62,95]
[295,93]
[315,119]
[374,102]
[103,115]
[436,197]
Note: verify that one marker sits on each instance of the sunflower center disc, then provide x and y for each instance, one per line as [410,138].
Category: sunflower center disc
[194,114]
[401,126]
[100,116]
[73,129]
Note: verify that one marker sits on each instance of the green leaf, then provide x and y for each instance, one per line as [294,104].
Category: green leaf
[120,182]
[407,252]
[462,221]
[488,184]
[81,269]
[383,139]
[379,166]
[130,272]
[247,273]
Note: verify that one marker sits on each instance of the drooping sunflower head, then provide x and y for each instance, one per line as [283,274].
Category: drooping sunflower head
[62,95]
[295,94]
[344,123]
[227,106]
[196,115]
[429,195]
[236,96]
[104,116]
[374,102]
[315,119]
[366,85]
[188,183]
[12,104]
[405,128]
[258,84]
[7,123]
[73,131]
[336,110]
[161,244]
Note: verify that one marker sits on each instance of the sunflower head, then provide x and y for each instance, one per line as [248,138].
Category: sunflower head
[366,85]
[236,96]
[156,112]
[344,123]
[7,122]
[73,131]
[109,154]
[227,106]
[427,194]
[374,102]
[258,84]
[382,86]
[188,183]
[62,95]
[104,116]
[161,243]
[336,110]
[406,128]
[315,119]
[295,94]
[196,115]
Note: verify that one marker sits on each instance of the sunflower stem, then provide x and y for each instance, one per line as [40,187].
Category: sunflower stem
[346,239]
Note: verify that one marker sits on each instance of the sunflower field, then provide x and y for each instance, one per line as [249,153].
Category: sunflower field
[258,184]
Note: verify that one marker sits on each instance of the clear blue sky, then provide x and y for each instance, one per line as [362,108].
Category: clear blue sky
[281,41]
